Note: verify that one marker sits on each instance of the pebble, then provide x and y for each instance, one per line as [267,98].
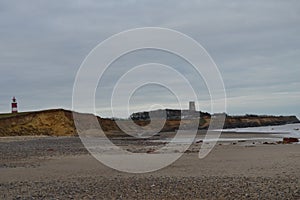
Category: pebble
[21,153]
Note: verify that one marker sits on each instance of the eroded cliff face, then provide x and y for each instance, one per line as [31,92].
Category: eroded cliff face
[59,122]
[50,122]
[254,121]
[230,122]
[56,122]
[251,121]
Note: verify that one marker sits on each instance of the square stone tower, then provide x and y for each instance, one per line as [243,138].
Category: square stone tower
[192,106]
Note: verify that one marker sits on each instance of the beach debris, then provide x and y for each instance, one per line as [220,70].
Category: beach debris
[290,140]
[50,149]
[188,151]
[151,150]
[269,143]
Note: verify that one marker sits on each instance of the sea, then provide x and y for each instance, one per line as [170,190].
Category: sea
[263,133]
[288,130]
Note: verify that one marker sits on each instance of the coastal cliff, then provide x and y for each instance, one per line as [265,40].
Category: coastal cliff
[175,117]
[60,122]
[55,122]
[256,120]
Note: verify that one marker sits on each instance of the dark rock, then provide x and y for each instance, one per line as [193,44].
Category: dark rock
[268,143]
[150,151]
[50,149]
[290,140]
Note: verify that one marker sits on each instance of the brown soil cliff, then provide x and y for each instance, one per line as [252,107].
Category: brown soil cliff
[50,122]
[59,122]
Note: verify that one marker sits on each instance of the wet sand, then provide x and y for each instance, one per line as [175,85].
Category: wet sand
[61,168]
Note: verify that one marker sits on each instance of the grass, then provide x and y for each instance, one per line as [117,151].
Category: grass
[6,115]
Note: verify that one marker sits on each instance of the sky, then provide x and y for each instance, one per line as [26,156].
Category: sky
[255,44]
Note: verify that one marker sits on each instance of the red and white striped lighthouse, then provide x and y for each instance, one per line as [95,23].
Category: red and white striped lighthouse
[14,105]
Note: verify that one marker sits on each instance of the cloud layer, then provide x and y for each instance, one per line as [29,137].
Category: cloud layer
[255,44]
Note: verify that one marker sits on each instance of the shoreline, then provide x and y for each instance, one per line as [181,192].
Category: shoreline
[61,168]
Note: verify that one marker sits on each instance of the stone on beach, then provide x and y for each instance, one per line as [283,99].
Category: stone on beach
[290,140]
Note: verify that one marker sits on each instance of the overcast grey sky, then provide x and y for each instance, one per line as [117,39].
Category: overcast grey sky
[255,44]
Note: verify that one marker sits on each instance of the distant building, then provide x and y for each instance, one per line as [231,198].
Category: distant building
[14,105]
[169,114]
[192,106]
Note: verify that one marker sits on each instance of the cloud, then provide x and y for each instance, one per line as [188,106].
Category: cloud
[254,43]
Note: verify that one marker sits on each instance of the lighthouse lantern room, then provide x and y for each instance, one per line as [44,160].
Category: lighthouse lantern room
[14,105]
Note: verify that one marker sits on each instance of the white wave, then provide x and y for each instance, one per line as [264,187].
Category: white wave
[288,130]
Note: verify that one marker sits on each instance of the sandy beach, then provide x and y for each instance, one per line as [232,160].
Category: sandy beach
[61,168]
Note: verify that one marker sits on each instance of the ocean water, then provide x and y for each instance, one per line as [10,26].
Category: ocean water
[288,130]
[189,141]
[266,132]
